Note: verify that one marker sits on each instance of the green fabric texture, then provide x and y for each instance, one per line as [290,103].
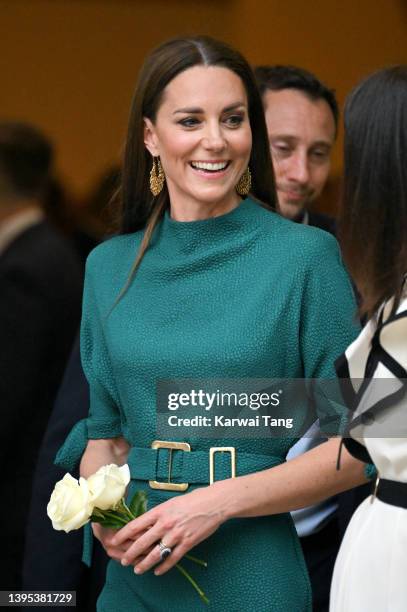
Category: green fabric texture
[370,471]
[243,295]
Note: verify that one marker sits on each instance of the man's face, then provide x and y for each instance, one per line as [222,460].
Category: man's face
[301,133]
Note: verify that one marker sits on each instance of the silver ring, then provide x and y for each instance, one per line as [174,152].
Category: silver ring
[165,550]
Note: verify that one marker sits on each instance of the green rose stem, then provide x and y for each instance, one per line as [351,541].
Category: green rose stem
[194,584]
[129,512]
[195,560]
[123,514]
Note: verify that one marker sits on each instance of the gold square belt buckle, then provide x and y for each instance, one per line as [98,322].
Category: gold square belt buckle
[169,486]
[221,449]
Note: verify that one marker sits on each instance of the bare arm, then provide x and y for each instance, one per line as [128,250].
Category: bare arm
[186,520]
[301,482]
[103,452]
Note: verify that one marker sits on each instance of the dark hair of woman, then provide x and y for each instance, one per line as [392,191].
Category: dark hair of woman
[139,208]
[374,208]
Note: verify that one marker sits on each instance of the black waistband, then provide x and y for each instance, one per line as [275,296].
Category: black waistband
[392,492]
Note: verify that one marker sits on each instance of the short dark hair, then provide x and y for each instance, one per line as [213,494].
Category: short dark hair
[374,206]
[26,157]
[280,77]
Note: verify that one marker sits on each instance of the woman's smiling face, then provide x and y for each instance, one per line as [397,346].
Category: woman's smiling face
[203,137]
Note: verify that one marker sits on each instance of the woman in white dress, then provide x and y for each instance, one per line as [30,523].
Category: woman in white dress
[370,571]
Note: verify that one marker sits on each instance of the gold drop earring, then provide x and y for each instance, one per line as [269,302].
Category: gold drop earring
[244,183]
[157,177]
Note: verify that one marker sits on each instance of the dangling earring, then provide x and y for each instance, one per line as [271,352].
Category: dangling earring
[245,182]
[157,177]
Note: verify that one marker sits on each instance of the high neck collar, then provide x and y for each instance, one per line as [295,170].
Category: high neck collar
[193,235]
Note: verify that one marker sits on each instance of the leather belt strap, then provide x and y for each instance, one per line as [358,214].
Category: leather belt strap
[392,492]
[193,467]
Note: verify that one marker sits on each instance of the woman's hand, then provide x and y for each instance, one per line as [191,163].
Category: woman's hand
[105,537]
[181,523]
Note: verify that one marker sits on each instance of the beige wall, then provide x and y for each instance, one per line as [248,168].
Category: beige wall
[339,40]
[70,65]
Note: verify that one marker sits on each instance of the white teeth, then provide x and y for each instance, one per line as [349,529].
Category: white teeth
[209,165]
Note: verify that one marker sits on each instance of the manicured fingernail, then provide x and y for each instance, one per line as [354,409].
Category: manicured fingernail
[157,572]
[137,570]
[124,562]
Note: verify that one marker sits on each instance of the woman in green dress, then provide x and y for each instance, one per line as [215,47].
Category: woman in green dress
[207,281]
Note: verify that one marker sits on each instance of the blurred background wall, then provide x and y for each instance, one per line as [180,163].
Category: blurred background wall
[69,66]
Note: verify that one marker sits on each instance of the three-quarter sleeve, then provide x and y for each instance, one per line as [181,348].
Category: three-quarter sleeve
[104,414]
[103,420]
[328,325]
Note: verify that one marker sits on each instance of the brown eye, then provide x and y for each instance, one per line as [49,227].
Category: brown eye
[189,122]
[234,120]
[282,150]
[319,154]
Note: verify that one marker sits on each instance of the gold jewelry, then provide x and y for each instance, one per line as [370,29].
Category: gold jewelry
[157,177]
[245,182]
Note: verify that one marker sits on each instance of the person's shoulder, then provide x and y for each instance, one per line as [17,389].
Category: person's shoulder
[316,249]
[314,241]
[41,240]
[304,242]
[109,265]
[42,252]
[324,222]
[388,316]
[269,222]
[114,250]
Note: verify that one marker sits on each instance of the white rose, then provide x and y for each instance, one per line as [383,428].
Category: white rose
[108,485]
[70,505]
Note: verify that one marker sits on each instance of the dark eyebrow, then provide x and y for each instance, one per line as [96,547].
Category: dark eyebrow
[188,111]
[286,137]
[233,107]
[196,110]
[293,139]
[322,143]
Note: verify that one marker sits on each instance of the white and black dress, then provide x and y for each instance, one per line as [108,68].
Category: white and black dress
[370,570]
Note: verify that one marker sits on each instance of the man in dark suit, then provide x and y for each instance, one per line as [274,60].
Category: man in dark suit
[302,119]
[40,289]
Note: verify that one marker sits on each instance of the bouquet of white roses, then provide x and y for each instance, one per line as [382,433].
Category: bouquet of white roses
[100,499]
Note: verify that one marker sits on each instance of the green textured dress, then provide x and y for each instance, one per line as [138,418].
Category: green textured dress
[243,295]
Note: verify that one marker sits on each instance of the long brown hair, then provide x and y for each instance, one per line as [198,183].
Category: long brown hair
[139,208]
[374,207]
